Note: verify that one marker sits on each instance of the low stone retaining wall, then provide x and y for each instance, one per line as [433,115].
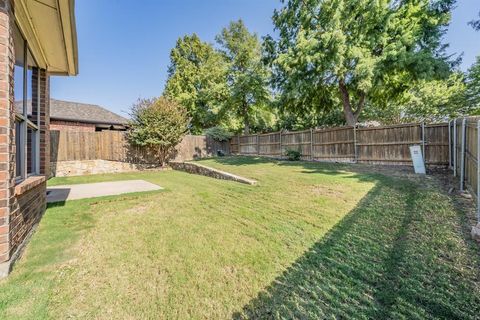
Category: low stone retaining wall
[195,168]
[85,167]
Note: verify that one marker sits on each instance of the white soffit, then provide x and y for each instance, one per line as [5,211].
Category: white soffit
[49,27]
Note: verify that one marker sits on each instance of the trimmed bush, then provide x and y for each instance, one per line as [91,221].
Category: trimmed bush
[293,155]
[158,125]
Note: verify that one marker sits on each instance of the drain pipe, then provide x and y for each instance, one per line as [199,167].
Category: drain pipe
[449,144]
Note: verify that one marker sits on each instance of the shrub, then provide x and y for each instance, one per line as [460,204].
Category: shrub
[158,125]
[293,155]
[218,133]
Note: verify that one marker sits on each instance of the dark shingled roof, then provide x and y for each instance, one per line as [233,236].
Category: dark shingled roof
[81,112]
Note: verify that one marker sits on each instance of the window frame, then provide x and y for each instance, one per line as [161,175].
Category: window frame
[26,123]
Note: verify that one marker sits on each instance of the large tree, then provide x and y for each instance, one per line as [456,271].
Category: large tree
[430,101]
[473,86]
[197,78]
[357,51]
[247,75]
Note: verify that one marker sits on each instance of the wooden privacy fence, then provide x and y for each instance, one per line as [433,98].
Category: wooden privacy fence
[113,146]
[380,145]
[464,154]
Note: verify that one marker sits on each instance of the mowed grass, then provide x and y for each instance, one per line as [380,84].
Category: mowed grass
[310,241]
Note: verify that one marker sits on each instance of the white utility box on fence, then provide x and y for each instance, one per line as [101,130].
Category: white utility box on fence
[417,159]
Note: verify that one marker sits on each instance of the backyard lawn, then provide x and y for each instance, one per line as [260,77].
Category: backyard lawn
[309,241]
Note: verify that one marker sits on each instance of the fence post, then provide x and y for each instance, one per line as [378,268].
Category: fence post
[423,144]
[449,145]
[311,144]
[238,143]
[258,144]
[355,156]
[454,147]
[281,152]
[462,156]
[478,170]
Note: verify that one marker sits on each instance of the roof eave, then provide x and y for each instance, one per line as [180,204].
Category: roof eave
[69,27]
[28,20]
[88,121]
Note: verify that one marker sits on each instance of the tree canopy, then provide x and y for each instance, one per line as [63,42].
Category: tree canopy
[197,79]
[247,75]
[332,62]
[428,100]
[473,86]
[158,125]
[355,51]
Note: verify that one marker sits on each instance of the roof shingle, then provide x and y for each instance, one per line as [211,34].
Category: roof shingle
[80,112]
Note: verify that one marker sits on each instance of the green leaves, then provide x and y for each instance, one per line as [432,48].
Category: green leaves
[247,76]
[158,125]
[198,81]
[225,86]
[360,43]
[475,24]
[473,87]
[218,133]
[330,57]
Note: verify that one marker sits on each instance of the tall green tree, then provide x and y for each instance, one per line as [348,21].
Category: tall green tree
[428,100]
[357,51]
[473,86]
[247,75]
[197,79]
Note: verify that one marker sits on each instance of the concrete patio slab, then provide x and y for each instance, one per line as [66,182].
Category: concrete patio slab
[99,189]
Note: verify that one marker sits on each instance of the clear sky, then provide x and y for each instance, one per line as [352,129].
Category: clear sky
[124,46]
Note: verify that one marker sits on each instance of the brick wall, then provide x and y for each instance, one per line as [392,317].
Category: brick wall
[44,122]
[6,133]
[71,126]
[21,205]
[28,209]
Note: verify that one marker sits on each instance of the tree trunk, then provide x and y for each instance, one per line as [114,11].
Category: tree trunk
[351,116]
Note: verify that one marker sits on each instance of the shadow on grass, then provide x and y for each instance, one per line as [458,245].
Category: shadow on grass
[362,172]
[399,254]
[56,204]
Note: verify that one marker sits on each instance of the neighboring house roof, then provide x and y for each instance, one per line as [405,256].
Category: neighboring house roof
[82,112]
[79,112]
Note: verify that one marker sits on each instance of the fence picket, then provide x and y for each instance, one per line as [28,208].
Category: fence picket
[387,144]
[113,146]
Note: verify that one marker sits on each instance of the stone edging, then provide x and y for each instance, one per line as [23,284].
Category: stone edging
[199,169]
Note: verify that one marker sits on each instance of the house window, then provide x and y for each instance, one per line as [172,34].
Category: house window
[27,115]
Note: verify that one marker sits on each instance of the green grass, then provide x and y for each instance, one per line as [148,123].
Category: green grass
[310,241]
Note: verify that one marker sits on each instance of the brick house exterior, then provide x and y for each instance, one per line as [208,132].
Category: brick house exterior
[24,139]
[76,126]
